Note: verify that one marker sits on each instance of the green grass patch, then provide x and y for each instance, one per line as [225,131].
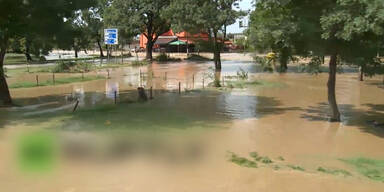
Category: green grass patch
[241,161]
[262,159]
[334,171]
[371,168]
[139,63]
[296,167]
[242,84]
[57,82]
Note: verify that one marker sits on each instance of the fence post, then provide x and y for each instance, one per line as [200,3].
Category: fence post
[115,97]
[77,104]
[53,79]
[151,93]
[193,81]
[223,81]
[108,73]
[179,87]
[37,80]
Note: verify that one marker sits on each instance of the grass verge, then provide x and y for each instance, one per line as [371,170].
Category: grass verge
[50,82]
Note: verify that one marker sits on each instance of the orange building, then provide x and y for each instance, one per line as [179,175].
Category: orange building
[170,36]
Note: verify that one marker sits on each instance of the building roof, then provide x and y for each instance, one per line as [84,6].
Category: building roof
[164,41]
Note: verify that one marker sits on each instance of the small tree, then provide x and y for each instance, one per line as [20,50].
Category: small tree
[144,15]
[211,16]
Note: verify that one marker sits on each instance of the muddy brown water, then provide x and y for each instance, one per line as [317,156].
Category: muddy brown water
[288,120]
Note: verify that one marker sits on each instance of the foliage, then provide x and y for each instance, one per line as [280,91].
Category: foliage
[194,57]
[272,29]
[73,67]
[313,67]
[210,16]
[242,74]
[139,16]
[265,63]
[163,57]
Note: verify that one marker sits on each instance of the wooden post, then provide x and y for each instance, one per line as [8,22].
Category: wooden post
[37,80]
[108,73]
[53,78]
[115,97]
[223,81]
[203,82]
[82,76]
[140,77]
[193,81]
[151,93]
[76,105]
[179,87]
[153,75]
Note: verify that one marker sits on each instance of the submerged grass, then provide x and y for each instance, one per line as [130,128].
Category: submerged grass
[371,168]
[334,171]
[242,84]
[296,167]
[241,161]
[50,82]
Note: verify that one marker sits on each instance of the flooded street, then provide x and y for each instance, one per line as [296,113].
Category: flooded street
[283,117]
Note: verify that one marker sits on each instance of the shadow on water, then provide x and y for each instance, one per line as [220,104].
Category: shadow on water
[368,121]
[169,110]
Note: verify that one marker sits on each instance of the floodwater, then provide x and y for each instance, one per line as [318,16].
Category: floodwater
[287,119]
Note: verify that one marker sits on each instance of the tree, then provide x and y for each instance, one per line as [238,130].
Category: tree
[19,18]
[344,29]
[93,18]
[211,16]
[144,15]
[272,29]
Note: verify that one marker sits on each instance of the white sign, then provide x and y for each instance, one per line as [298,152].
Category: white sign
[111,36]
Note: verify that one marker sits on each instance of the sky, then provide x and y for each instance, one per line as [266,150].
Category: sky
[244,5]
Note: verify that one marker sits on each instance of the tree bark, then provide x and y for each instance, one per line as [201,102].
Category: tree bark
[5,96]
[362,73]
[284,57]
[76,55]
[332,89]
[149,49]
[216,52]
[100,48]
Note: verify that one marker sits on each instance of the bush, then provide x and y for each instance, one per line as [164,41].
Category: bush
[72,67]
[195,57]
[164,58]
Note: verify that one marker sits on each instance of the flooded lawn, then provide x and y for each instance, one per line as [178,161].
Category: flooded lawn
[270,133]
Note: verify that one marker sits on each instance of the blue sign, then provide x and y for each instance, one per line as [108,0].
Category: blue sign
[111,36]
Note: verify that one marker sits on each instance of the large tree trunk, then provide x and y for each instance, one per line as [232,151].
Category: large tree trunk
[216,52]
[28,50]
[149,49]
[284,57]
[332,89]
[100,48]
[76,55]
[5,96]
